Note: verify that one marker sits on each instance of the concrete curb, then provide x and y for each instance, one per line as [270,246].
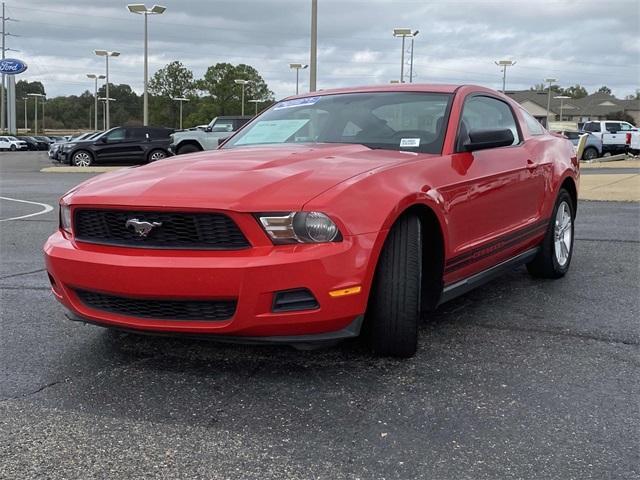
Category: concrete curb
[79,169]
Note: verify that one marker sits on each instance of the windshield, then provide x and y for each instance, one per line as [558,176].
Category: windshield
[388,120]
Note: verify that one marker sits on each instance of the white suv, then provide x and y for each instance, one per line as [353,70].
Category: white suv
[12,143]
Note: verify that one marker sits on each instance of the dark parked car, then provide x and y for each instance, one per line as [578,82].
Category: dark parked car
[130,144]
[32,143]
[55,148]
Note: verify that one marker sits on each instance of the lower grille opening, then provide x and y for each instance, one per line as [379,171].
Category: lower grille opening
[290,300]
[159,309]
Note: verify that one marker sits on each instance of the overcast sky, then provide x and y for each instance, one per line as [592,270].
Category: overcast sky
[593,43]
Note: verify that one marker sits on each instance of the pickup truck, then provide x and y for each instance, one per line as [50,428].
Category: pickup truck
[616,136]
[189,141]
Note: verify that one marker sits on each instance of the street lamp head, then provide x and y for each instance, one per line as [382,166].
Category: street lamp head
[36,95]
[180,99]
[297,66]
[158,9]
[561,97]
[106,53]
[137,8]
[550,80]
[402,32]
[242,82]
[505,63]
[91,75]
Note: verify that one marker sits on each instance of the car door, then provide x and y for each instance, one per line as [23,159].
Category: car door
[494,207]
[120,144]
[616,135]
[4,143]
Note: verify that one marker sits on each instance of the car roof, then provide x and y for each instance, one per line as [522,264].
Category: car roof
[392,87]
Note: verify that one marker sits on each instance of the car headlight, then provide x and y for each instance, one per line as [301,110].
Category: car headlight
[65,218]
[68,146]
[299,227]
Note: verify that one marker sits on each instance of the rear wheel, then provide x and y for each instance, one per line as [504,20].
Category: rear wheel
[81,158]
[156,155]
[556,250]
[589,153]
[189,148]
[394,307]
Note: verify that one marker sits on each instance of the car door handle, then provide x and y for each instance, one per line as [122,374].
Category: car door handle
[531,165]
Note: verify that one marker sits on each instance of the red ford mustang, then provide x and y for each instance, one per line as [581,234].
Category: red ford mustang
[329,214]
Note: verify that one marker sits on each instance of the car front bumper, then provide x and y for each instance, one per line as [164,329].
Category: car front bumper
[250,276]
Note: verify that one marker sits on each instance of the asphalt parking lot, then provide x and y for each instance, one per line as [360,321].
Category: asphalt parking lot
[520,379]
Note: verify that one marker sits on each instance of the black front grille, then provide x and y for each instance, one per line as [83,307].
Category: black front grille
[159,309]
[186,230]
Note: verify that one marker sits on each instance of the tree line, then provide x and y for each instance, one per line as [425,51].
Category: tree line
[216,93]
[578,91]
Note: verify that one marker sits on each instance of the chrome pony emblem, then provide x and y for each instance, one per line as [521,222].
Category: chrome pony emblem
[141,227]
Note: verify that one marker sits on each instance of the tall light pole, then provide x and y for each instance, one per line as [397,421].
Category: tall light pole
[180,100]
[255,102]
[313,54]
[504,64]
[141,9]
[105,111]
[297,67]
[44,99]
[244,83]
[562,98]
[413,35]
[549,81]
[106,54]
[35,97]
[26,126]
[95,96]
[403,33]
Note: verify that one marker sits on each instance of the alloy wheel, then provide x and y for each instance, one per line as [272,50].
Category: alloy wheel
[158,155]
[82,159]
[563,234]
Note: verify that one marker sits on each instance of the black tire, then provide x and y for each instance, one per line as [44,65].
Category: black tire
[188,148]
[81,158]
[589,153]
[393,313]
[156,154]
[13,148]
[547,263]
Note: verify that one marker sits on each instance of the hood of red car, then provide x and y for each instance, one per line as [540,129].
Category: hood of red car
[241,179]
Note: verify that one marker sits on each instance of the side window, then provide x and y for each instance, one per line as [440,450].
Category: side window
[625,127]
[532,124]
[240,123]
[135,134]
[486,113]
[223,126]
[612,127]
[116,135]
[592,127]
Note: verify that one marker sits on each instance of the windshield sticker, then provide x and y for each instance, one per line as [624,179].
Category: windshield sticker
[410,142]
[297,102]
[272,131]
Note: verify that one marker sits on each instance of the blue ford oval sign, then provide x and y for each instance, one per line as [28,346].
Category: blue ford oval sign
[12,66]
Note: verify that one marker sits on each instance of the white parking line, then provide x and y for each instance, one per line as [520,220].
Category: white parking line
[46,208]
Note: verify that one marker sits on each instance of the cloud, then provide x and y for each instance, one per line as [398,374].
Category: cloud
[574,41]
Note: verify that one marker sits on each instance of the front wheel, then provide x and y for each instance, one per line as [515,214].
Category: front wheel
[82,159]
[394,307]
[556,250]
[188,148]
[13,148]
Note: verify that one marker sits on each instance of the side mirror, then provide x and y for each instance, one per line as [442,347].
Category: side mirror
[222,140]
[483,139]
[103,139]
[208,129]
